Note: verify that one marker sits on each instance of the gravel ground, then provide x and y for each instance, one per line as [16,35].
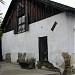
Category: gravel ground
[14,69]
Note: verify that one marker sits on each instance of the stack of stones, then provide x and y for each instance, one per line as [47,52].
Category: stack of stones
[67,59]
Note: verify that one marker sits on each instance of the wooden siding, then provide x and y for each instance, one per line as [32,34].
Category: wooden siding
[34,10]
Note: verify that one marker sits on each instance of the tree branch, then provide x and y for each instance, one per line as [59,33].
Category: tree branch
[2,1]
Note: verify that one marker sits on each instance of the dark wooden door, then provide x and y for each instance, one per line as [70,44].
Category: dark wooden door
[43,49]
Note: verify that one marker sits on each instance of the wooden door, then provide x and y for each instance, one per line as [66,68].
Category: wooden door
[43,49]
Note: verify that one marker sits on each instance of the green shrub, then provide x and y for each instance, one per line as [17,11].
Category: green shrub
[31,60]
[28,64]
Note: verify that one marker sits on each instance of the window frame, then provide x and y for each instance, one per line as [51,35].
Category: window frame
[20,14]
[21,24]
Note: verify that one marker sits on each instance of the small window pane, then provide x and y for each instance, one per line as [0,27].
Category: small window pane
[19,20]
[23,19]
[19,29]
[23,27]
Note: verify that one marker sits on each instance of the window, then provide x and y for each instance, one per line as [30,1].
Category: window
[21,28]
[21,24]
[54,25]
[21,17]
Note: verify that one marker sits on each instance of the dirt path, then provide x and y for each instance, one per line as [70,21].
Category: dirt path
[11,69]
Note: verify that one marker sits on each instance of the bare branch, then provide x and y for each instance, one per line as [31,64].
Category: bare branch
[2,1]
[1,13]
[1,18]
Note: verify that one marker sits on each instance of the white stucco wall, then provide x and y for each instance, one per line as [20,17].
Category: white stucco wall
[60,40]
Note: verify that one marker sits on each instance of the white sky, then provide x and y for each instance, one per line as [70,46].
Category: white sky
[3,8]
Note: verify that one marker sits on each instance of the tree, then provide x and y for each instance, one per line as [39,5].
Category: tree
[1,18]
[2,1]
[1,31]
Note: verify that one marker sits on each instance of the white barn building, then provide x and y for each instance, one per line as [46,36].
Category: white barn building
[54,34]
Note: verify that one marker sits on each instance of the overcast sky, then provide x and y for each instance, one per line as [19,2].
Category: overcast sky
[3,8]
